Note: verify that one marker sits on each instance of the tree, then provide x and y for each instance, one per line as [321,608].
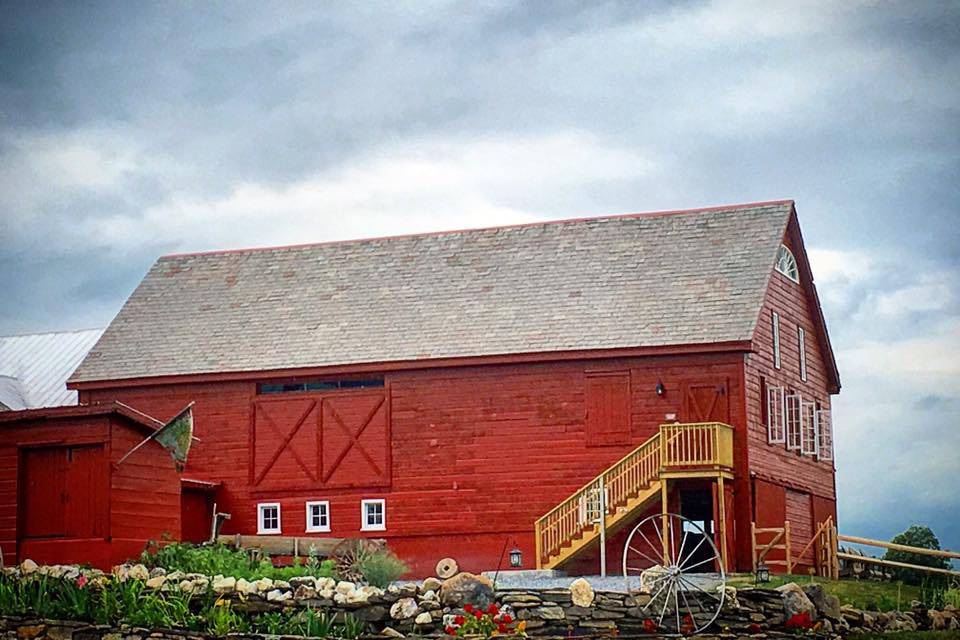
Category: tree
[916,536]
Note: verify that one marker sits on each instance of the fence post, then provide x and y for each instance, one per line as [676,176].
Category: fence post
[786,531]
[753,545]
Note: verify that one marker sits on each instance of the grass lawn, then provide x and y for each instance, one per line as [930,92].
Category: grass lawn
[863,594]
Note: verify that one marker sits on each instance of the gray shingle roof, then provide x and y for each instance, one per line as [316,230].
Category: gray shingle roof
[630,281]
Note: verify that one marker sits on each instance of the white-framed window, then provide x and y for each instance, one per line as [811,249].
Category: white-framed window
[792,409]
[373,515]
[802,347]
[776,430]
[787,264]
[775,319]
[268,517]
[825,435]
[318,516]
[808,429]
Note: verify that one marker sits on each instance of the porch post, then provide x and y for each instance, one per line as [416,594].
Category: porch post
[664,521]
[721,500]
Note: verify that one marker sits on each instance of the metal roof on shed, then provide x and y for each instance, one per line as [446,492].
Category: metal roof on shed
[689,277]
[34,368]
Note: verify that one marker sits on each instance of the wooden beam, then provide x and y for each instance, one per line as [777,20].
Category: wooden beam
[899,547]
[890,563]
[723,521]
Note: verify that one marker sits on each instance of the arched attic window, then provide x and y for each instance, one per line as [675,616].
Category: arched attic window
[787,264]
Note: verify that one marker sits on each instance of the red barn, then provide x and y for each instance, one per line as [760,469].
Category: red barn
[64,498]
[453,392]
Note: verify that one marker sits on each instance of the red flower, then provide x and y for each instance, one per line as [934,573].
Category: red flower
[502,628]
[458,620]
[800,621]
[450,631]
[507,618]
[492,609]
[468,608]
[478,614]
[81,581]
[649,626]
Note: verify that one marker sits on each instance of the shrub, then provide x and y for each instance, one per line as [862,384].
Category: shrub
[381,568]
[219,559]
[922,537]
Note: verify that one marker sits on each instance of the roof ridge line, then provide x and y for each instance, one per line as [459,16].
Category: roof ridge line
[50,333]
[521,225]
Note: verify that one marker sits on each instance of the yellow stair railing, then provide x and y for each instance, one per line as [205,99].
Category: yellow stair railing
[627,484]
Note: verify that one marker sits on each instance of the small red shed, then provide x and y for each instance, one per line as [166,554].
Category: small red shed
[64,498]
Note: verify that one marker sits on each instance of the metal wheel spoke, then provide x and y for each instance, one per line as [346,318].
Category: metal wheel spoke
[634,549]
[676,608]
[690,612]
[705,561]
[696,548]
[699,588]
[666,601]
[653,548]
[654,598]
[683,543]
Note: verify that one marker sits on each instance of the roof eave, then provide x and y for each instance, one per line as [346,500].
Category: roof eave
[732,346]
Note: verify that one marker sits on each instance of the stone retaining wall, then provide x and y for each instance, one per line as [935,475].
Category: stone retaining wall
[427,608]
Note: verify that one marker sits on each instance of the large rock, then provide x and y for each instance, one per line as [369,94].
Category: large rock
[223,584]
[466,588]
[828,606]
[28,566]
[403,609]
[796,601]
[581,593]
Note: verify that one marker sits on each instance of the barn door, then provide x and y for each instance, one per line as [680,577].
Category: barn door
[706,401]
[65,492]
[44,493]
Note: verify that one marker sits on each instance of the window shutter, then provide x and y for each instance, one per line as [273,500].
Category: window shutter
[808,428]
[826,434]
[794,436]
[775,415]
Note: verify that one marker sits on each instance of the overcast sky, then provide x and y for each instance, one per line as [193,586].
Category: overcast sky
[128,131]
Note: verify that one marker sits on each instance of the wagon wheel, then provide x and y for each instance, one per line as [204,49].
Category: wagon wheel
[348,557]
[675,564]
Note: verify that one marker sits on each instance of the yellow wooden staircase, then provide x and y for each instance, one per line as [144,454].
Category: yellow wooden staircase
[632,483]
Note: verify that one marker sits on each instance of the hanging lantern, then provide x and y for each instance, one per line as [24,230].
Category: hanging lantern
[516,557]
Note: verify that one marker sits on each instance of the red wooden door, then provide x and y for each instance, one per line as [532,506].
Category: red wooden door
[608,408]
[706,401]
[43,493]
[356,440]
[65,492]
[88,492]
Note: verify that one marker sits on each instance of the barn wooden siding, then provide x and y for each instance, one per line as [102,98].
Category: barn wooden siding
[475,454]
[63,499]
[772,464]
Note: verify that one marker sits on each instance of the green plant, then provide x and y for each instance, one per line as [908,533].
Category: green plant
[214,559]
[933,593]
[222,619]
[353,627]
[313,623]
[273,623]
[381,568]
[78,599]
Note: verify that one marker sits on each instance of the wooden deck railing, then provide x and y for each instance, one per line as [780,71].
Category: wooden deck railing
[682,446]
[696,444]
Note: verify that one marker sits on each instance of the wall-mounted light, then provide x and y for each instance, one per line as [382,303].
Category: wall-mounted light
[660,388]
[516,557]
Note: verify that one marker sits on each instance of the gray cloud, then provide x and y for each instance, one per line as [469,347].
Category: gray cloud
[128,130]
